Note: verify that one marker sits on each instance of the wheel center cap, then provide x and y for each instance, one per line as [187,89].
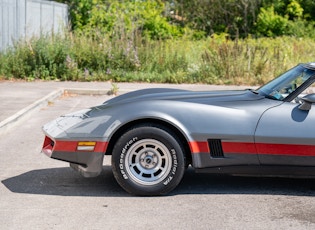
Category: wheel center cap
[148,160]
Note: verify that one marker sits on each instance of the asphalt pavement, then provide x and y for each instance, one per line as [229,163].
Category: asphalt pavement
[37,192]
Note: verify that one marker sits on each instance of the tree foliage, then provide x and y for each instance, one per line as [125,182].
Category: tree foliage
[235,17]
[118,17]
[270,24]
[240,18]
[172,18]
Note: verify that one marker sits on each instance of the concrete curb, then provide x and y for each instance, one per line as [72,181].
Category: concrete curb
[85,91]
[21,115]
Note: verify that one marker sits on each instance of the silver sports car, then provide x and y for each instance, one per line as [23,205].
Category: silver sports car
[153,135]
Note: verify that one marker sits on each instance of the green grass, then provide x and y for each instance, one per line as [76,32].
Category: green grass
[132,58]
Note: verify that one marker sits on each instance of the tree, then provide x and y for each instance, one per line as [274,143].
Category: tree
[235,17]
[270,24]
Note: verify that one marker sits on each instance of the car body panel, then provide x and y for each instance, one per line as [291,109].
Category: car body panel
[224,130]
[180,109]
[285,136]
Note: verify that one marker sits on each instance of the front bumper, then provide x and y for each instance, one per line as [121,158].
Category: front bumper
[88,163]
[84,153]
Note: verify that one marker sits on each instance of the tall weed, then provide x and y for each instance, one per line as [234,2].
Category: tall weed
[254,61]
[133,58]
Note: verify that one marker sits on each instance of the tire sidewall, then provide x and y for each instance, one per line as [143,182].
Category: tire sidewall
[130,138]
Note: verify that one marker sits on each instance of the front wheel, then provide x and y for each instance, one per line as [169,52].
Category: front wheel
[148,160]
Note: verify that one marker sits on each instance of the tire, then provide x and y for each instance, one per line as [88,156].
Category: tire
[148,160]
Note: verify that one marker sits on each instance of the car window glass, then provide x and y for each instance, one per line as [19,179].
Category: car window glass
[287,83]
[295,83]
[282,91]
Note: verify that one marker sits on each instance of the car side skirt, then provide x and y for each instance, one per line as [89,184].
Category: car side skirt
[207,154]
[262,170]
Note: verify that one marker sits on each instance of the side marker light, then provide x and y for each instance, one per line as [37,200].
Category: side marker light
[86,146]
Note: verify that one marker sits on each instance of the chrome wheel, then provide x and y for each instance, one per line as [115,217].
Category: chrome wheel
[148,159]
[148,162]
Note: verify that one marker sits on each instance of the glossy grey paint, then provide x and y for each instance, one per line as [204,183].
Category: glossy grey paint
[287,124]
[249,124]
[199,116]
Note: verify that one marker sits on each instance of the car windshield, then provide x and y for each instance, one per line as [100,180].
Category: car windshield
[287,83]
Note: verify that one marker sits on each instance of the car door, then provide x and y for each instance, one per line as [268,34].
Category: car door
[285,135]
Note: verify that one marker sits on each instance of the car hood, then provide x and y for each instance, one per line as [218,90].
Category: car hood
[203,97]
[100,120]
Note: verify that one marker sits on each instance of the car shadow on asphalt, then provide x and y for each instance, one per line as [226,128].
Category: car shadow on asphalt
[66,182]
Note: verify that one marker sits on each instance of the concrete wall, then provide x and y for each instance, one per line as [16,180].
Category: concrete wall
[20,19]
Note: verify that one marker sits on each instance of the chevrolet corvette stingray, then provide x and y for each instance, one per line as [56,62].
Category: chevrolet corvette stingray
[153,135]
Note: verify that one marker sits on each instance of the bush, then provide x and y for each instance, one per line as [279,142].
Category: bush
[44,58]
[270,24]
[118,18]
[215,60]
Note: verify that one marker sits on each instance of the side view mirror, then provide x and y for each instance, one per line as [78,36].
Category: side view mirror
[307,102]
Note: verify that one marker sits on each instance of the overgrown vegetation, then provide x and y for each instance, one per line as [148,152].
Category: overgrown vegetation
[162,41]
[213,60]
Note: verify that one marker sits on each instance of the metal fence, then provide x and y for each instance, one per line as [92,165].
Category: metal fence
[20,19]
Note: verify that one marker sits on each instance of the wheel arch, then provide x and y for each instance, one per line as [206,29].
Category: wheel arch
[156,123]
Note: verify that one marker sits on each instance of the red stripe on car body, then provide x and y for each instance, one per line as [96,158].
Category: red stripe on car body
[199,147]
[203,147]
[286,149]
[258,148]
[71,146]
[239,147]
[228,147]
